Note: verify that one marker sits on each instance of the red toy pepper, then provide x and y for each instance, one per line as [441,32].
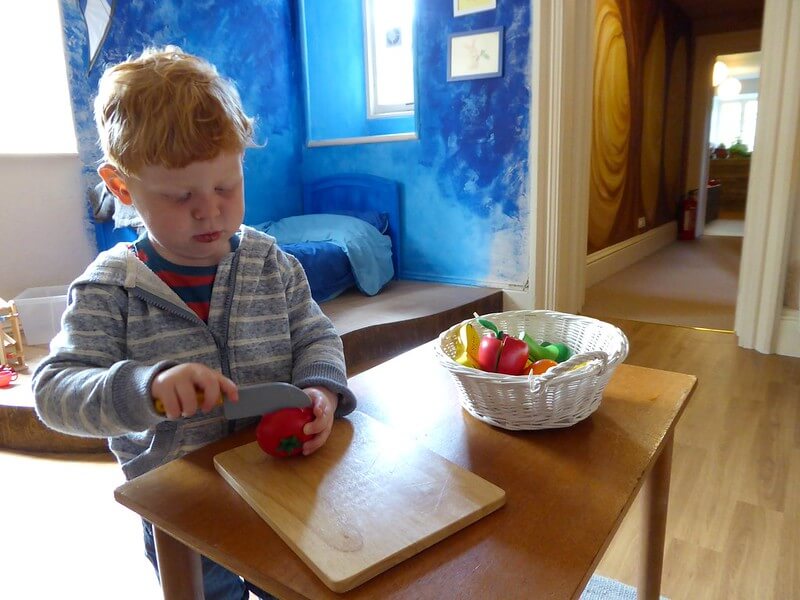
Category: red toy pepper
[280,433]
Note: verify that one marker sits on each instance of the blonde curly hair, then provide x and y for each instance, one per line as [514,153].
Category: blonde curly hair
[168,108]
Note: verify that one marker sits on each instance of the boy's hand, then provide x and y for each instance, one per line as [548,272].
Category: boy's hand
[178,387]
[324,403]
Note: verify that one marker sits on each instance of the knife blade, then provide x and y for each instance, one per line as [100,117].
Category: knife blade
[261,398]
[256,399]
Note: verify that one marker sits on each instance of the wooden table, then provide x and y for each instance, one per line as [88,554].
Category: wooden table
[567,492]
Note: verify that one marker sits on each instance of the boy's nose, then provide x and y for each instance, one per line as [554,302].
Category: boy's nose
[205,207]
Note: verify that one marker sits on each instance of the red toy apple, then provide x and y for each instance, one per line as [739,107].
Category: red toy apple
[500,353]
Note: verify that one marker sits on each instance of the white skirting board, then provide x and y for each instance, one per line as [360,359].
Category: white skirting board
[606,262]
[788,334]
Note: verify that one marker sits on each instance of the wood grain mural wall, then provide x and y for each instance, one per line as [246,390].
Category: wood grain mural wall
[639,117]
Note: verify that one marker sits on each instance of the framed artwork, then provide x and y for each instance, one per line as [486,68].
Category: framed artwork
[467,7]
[475,54]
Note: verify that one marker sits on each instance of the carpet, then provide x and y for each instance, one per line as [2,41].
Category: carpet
[603,588]
[691,284]
[727,227]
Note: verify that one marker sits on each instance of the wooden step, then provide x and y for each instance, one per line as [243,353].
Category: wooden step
[403,316]
[21,429]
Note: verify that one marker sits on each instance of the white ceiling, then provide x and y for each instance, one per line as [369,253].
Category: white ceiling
[746,65]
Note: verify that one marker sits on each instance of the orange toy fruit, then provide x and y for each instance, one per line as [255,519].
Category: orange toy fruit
[540,366]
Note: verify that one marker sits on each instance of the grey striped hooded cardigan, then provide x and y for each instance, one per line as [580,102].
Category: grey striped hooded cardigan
[123,326]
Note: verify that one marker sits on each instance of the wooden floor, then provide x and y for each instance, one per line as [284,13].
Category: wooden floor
[733,529]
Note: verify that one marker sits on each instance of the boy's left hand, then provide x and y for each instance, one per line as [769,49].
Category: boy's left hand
[324,403]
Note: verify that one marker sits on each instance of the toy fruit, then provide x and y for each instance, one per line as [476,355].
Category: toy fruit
[467,346]
[541,366]
[501,353]
[562,351]
[488,324]
[280,433]
[537,352]
[528,369]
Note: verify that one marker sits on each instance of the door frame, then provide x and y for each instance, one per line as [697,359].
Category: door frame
[559,151]
[706,50]
[774,181]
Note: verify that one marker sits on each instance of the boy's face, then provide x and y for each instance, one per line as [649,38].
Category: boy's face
[190,213]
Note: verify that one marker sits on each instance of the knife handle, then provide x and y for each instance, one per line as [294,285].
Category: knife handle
[159,406]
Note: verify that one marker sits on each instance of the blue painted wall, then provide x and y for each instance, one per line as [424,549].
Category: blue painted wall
[335,82]
[465,207]
[252,42]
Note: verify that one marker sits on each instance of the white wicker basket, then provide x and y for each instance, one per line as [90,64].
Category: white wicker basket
[560,397]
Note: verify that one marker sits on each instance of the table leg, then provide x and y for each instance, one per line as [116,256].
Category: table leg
[656,488]
[179,568]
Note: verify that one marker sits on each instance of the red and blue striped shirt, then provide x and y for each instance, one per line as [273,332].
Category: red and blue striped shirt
[193,285]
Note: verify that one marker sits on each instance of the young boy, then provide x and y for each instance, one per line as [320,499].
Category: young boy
[200,303]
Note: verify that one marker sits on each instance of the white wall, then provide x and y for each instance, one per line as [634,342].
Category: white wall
[791,296]
[792,293]
[788,335]
[44,232]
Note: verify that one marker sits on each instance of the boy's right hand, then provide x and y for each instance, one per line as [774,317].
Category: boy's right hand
[178,387]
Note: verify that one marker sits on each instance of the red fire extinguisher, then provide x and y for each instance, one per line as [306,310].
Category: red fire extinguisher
[688,216]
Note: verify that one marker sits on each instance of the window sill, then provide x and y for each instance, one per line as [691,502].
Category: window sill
[38,155]
[370,139]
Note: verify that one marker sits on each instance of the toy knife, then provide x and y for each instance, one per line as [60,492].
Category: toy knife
[256,400]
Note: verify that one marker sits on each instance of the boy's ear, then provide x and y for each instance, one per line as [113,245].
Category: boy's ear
[115,182]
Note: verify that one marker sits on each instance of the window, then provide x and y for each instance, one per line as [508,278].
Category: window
[389,57]
[358,90]
[734,119]
[35,110]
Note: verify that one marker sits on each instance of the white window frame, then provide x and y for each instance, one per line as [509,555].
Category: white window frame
[741,99]
[374,109]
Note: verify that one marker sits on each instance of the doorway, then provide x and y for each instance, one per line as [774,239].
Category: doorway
[561,118]
[732,134]
[686,283]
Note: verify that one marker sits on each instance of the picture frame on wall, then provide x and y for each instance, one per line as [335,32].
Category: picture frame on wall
[475,54]
[467,7]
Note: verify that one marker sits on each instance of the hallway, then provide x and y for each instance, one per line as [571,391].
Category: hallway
[691,284]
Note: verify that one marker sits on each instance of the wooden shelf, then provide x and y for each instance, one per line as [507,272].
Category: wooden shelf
[11,351]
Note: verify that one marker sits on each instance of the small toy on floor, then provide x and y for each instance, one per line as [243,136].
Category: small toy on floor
[7,375]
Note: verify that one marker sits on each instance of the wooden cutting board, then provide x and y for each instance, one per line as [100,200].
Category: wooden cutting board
[367,500]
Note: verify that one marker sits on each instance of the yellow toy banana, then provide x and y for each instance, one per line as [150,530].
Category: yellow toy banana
[467,346]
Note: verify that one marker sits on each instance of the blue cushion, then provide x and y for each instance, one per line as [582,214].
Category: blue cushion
[379,220]
[369,252]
